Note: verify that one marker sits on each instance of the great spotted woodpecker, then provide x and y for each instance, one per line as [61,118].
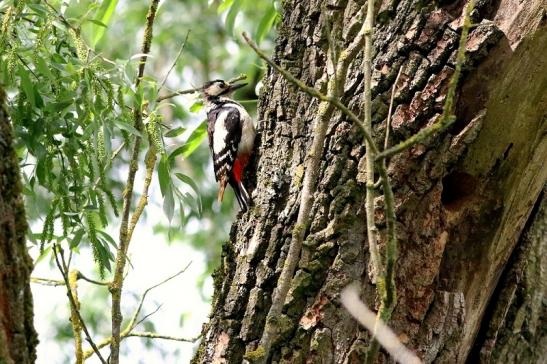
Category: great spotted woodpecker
[231,138]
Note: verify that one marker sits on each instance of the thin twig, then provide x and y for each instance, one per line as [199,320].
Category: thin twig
[447,118]
[89,353]
[110,160]
[194,90]
[121,254]
[56,282]
[388,295]
[57,250]
[99,283]
[313,92]
[47,281]
[153,335]
[133,322]
[325,110]
[390,110]
[385,336]
[376,263]
[174,61]
[378,183]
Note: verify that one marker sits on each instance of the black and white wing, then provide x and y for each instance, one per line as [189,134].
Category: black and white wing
[224,135]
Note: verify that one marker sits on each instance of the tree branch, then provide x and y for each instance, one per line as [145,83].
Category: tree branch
[175,61]
[133,322]
[386,287]
[376,264]
[121,254]
[73,304]
[194,90]
[388,296]
[325,110]
[447,118]
[385,336]
[153,335]
[74,319]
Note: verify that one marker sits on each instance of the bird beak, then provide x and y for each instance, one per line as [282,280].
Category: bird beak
[236,86]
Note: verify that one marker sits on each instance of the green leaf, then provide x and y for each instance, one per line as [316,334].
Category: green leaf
[182,215]
[107,237]
[42,255]
[231,16]
[104,13]
[192,143]
[190,182]
[127,127]
[97,22]
[169,204]
[75,241]
[175,132]
[196,106]
[266,23]
[224,5]
[104,255]
[44,68]
[163,174]
[41,170]
[27,86]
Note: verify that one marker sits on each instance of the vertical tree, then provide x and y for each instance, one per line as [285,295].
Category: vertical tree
[462,197]
[18,339]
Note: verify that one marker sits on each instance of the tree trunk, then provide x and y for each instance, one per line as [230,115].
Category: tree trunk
[18,339]
[462,197]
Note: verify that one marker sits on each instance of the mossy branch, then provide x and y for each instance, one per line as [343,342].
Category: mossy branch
[124,240]
[372,231]
[386,278]
[387,290]
[327,106]
[447,118]
[74,319]
[74,305]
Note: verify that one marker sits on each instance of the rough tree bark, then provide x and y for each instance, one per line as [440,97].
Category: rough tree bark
[462,198]
[18,339]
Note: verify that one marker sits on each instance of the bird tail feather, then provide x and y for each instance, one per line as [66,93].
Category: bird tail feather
[243,198]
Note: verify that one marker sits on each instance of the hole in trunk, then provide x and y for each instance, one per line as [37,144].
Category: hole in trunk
[458,187]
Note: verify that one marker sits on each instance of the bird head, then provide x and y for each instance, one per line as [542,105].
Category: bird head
[217,88]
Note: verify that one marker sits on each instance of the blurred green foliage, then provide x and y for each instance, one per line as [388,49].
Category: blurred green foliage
[69,68]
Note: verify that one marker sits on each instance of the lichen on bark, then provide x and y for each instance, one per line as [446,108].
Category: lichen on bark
[18,338]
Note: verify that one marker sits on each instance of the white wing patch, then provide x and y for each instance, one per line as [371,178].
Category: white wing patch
[219,136]
[248,129]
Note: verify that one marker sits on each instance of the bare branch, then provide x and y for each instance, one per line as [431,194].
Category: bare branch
[447,118]
[325,110]
[99,283]
[383,334]
[133,322]
[74,306]
[390,111]
[175,61]
[153,335]
[47,281]
[121,254]
[376,266]
[194,90]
